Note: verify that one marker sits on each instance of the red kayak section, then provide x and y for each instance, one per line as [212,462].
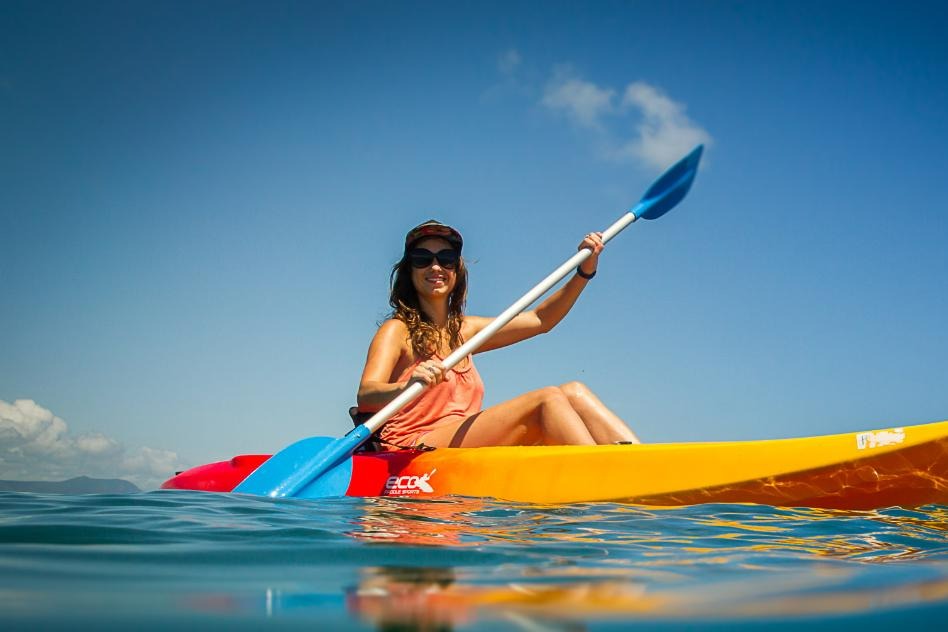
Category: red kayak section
[223,476]
[372,474]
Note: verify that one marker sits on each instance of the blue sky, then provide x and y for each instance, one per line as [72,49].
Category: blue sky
[200,203]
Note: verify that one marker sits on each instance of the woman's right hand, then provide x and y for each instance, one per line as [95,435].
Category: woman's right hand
[429,373]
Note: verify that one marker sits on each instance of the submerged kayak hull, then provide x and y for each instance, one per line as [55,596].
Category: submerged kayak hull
[905,466]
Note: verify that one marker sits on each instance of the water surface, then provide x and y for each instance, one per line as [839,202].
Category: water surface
[189,559]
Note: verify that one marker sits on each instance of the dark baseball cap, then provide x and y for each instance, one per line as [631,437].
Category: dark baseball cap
[434,228]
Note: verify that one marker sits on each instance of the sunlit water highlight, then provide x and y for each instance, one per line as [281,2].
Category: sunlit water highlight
[188,559]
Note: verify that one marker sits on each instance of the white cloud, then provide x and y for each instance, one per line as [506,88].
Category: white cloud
[96,444]
[35,444]
[149,462]
[661,131]
[665,132]
[583,102]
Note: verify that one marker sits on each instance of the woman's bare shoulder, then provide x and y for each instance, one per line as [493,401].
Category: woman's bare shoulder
[387,353]
[395,324]
[392,329]
[390,342]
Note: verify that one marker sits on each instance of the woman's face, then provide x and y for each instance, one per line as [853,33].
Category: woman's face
[434,281]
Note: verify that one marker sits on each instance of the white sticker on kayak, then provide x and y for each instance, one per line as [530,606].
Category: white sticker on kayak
[409,485]
[880,439]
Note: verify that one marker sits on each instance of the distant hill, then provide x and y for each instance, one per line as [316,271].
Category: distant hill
[78,485]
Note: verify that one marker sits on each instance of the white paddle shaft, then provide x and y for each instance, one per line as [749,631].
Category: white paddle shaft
[415,389]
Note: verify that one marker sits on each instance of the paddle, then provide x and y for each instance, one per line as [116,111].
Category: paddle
[321,467]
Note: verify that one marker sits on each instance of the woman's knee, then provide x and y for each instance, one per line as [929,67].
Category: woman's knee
[575,391]
[551,396]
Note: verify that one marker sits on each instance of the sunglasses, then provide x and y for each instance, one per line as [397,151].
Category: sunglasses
[422,258]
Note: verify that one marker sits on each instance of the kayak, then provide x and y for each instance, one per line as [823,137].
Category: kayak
[905,466]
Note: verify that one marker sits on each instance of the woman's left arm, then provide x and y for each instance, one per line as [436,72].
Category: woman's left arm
[548,313]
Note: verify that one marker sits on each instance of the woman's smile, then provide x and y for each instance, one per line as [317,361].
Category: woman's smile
[437,279]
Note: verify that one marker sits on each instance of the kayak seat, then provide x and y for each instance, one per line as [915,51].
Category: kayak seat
[373,444]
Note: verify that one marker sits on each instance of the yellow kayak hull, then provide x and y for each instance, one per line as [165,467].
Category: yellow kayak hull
[905,466]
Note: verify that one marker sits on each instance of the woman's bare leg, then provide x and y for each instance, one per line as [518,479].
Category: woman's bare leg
[602,423]
[544,416]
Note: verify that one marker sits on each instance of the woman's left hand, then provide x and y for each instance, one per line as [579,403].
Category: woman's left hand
[593,241]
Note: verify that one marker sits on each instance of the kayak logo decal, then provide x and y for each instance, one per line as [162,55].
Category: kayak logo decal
[409,485]
[879,439]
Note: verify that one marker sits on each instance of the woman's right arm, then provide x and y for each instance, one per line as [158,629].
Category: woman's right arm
[388,346]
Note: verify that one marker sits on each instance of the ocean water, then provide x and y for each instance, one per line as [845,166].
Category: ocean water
[183,560]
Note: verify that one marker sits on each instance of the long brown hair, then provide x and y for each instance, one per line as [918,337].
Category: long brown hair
[424,335]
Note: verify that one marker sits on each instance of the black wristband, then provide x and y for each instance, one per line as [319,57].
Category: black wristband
[583,275]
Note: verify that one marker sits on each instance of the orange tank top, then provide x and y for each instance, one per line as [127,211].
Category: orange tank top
[459,396]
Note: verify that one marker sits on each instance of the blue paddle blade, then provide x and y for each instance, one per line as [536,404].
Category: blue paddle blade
[332,483]
[317,467]
[669,189]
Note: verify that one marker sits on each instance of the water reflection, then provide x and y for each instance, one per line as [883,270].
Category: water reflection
[438,595]
[419,598]
[576,563]
[656,532]
[435,599]
[422,523]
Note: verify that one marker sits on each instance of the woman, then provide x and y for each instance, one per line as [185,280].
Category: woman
[429,290]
